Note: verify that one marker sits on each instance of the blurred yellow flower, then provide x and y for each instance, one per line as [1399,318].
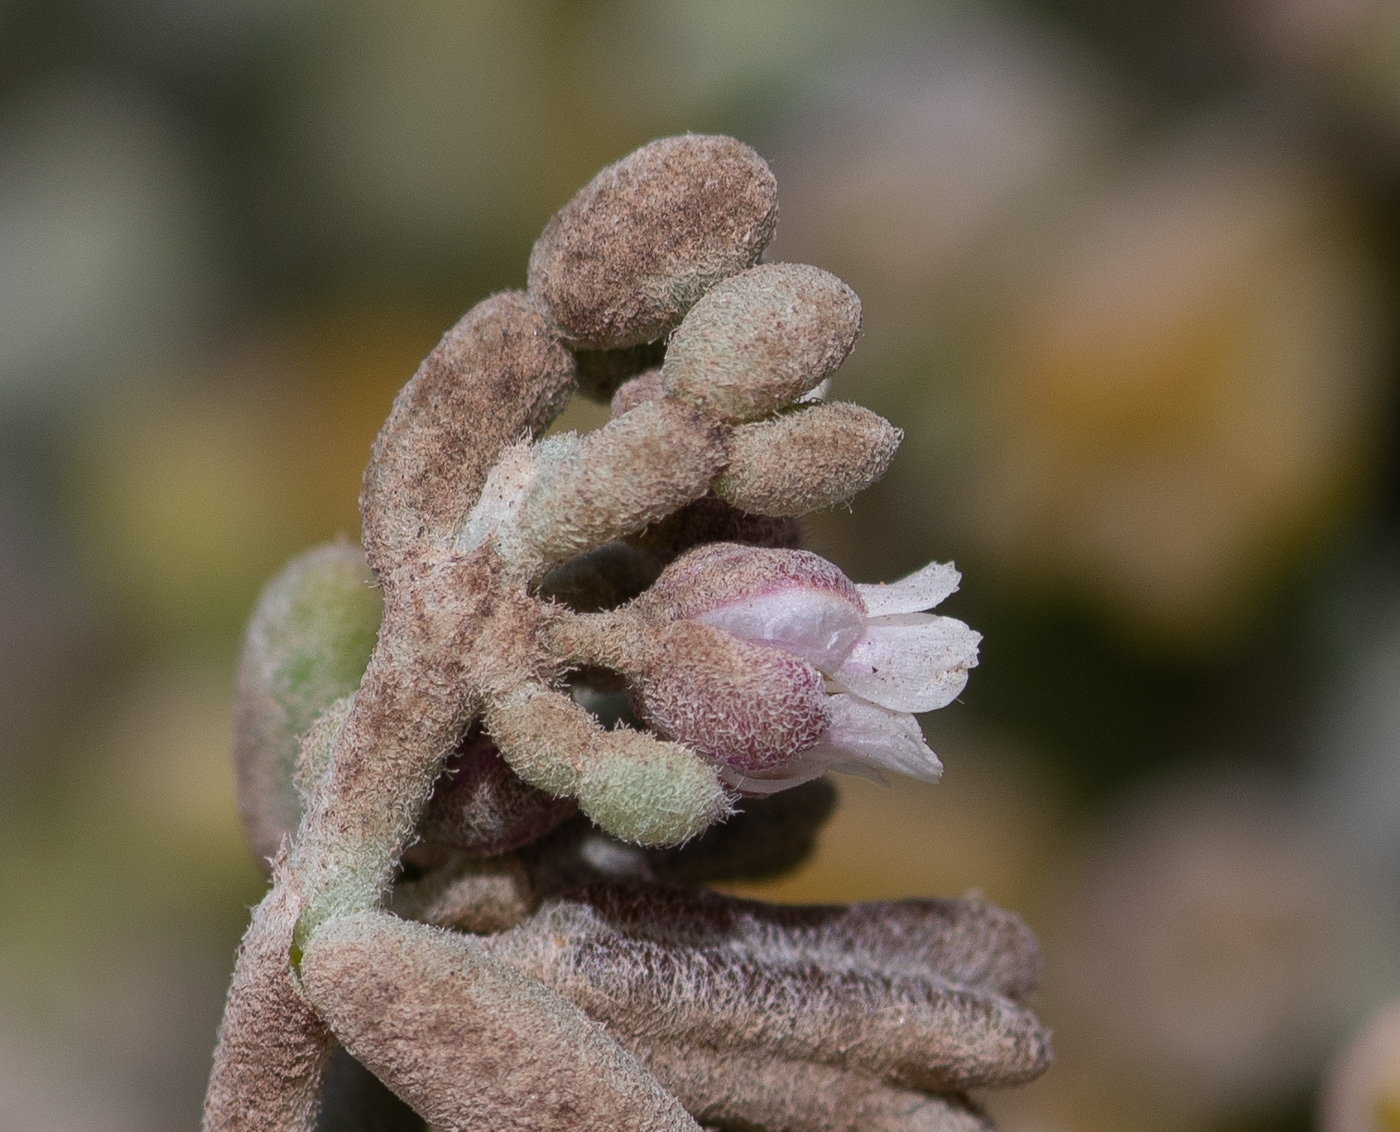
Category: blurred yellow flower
[1187,395]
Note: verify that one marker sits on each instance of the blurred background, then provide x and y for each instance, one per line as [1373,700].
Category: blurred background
[1131,276]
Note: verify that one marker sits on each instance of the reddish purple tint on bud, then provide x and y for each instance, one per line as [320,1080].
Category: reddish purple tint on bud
[747,707]
[482,806]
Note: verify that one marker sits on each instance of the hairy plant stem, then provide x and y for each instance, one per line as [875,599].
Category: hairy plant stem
[411,707]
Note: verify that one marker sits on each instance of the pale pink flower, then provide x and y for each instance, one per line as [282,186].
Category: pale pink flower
[880,655]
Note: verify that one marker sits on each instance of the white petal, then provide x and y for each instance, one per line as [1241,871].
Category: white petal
[810,764]
[867,733]
[800,770]
[816,625]
[923,589]
[914,662]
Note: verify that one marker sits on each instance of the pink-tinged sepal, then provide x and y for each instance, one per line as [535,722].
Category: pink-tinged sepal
[737,704]
[719,574]
[863,739]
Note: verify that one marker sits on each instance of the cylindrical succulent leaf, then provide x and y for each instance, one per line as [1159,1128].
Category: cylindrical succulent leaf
[648,792]
[469,1042]
[806,460]
[273,1047]
[622,262]
[543,735]
[634,470]
[631,784]
[497,375]
[738,1090]
[306,645]
[914,1030]
[967,942]
[760,340]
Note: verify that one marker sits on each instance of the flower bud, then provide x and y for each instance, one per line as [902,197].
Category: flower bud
[306,645]
[622,262]
[760,340]
[807,460]
[791,599]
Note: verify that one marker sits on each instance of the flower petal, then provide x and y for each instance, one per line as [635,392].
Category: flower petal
[863,732]
[817,625]
[810,764]
[923,589]
[762,783]
[914,662]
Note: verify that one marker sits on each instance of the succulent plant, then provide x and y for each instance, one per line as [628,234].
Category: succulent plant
[491,757]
